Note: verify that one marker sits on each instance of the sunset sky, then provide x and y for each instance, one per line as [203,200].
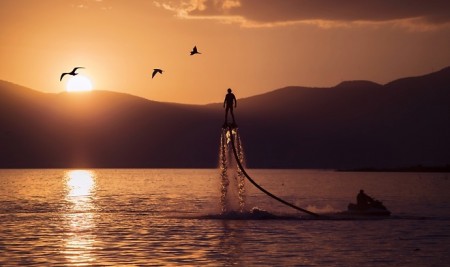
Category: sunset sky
[252,46]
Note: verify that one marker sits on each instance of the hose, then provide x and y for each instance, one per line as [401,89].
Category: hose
[258,186]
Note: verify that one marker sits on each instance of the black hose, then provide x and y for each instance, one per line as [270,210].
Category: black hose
[258,186]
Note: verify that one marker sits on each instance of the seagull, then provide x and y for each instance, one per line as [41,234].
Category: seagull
[156,71]
[194,51]
[70,73]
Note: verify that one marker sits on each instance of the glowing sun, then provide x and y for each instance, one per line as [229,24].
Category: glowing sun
[79,83]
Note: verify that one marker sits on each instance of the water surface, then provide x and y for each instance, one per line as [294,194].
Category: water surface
[110,217]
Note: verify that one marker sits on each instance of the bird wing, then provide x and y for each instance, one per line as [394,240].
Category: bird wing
[75,69]
[62,75]
[194,50]
[154,73]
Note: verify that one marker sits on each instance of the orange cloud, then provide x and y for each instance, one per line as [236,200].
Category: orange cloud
[86,4]
[323,13]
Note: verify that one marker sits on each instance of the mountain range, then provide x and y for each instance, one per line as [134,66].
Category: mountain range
[355,124]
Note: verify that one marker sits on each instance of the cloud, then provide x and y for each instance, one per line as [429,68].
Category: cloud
[324,13]
[85,4]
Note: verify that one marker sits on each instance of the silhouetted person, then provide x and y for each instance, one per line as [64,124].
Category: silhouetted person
[363,201]
[228,103]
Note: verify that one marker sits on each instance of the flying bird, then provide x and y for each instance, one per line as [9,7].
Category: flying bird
[73,72]
[194,51]
[156,71]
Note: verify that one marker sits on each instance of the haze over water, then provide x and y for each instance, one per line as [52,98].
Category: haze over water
[109,217]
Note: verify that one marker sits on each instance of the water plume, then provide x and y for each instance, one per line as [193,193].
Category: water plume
[231,176]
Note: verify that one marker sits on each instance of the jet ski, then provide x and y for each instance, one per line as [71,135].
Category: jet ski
[374,208]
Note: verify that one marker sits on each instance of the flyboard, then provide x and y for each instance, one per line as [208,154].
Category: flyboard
[229,125]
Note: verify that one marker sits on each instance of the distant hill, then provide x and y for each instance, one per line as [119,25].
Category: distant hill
[356,124]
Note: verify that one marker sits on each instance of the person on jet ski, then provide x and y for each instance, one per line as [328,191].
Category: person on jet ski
[363,201]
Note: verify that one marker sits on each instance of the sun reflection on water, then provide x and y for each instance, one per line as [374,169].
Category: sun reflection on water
[80,182]
[80,185]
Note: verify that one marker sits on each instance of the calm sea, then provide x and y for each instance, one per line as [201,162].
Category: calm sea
[171,217]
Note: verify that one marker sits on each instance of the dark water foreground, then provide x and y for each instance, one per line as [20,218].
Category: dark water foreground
[173,217]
